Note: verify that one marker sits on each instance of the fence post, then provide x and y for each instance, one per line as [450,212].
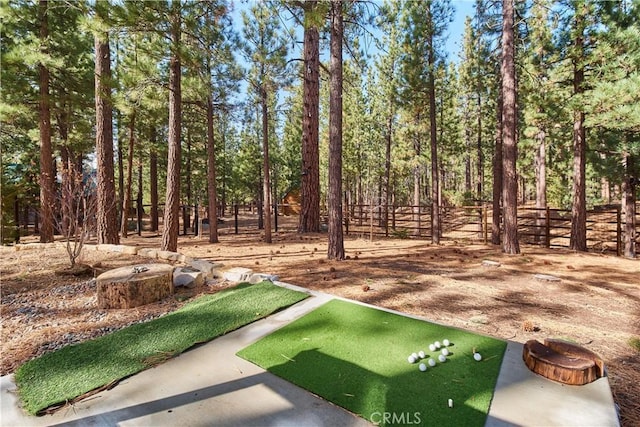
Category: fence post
[139,216]
[547,231]
[486,223]
[235,215]
[618,230]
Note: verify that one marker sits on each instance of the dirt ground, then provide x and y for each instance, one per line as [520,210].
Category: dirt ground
[596,301]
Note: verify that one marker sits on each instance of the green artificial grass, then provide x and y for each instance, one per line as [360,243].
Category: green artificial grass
[356,357]
[72,371]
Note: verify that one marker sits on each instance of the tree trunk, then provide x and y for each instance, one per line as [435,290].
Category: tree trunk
[310,183]
[510,244]
[416,180]
[629,205]
[211,175]
[541,184]
[126,205]
[578,240]
[47,196]
[266,182]
[172,202]
[334,198]
[435,207]
[497,174]
[153,180]
[106,210]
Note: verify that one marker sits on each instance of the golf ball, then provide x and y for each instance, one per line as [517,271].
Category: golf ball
[415,355]
[432,347]
[477,356]
[411,359]
[437,344]
[446,343]
[421,354]
[422,367]
[431,362]
[445,352]
[450,403]
[442,358]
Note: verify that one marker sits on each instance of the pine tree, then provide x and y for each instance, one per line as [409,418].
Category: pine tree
[106,215]
[335,249]
[510,244]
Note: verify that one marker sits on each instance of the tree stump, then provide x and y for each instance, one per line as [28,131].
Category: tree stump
[129,287]
[562,361]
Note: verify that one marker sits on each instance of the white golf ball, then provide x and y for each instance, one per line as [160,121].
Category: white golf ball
[431,362]
[432,347]
[446,343]
[422,367]
[477,356]
[450,403]
[442,358]
[415,355]
[437,344]
[445,352]
[421,354]
[411,359]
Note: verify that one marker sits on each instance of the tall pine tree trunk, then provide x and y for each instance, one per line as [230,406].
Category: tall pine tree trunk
[266,182]
[629,205]
[211,174]
[310,185]
[497,174]
[107,208]
[153,180]
[541,184]
[126,205]
[172,201]
[335,248]
[416,179]
[47,196]
[578,240]
[510,244]
[433,134]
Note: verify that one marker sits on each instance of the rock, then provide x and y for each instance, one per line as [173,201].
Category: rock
[106,247]
[130,250]
[238,274]
[489,263]
[547,278]
[148,252]
[169,256]
[187,277]
[261,277]
[207,268]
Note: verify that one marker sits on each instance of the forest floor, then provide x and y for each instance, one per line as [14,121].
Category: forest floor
[596,302]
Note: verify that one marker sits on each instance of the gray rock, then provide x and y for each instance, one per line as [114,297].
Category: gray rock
[187,277]
[238,274]
[547,278]
[207,268]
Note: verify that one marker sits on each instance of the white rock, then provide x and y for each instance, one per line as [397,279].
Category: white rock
[238,274]
[187,277]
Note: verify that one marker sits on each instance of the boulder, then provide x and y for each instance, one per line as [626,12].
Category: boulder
[187,277]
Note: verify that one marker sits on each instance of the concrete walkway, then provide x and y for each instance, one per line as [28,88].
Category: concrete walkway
[211,386]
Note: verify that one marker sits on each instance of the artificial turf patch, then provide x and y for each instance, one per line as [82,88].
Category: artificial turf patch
[356,357]
[75,370]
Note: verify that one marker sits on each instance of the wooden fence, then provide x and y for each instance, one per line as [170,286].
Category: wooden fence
[546,227]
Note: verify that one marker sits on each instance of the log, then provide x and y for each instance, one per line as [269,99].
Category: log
[128,287]
[573,350]
[564,364]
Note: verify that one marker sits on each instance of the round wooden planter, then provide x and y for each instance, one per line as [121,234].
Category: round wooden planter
[128,287]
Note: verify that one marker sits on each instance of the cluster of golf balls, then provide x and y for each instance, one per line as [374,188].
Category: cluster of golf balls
[442,357]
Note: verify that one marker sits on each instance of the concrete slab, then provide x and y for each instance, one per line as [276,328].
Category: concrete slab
[523,398]
[210,385]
